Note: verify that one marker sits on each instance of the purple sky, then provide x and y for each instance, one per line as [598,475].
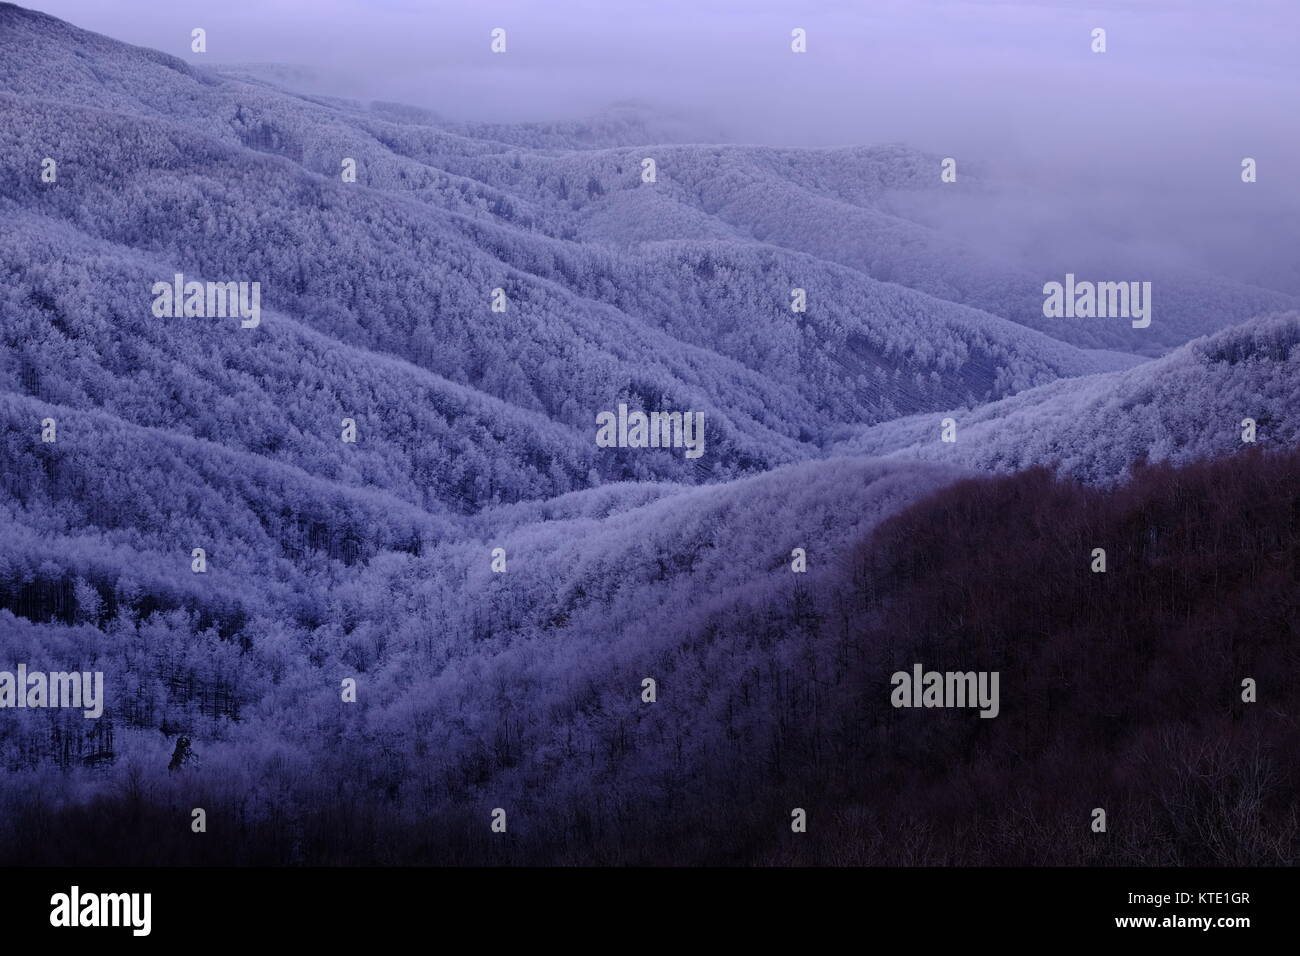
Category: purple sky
[942,71]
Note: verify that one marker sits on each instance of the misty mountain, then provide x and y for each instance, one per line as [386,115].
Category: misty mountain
[376,560]
[404,261]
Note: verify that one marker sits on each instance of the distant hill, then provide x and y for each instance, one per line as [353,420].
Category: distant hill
[1187,405]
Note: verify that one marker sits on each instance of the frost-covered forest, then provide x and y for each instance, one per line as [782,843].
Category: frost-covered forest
[373,560]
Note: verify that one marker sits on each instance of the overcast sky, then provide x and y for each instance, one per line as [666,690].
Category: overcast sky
[1156,126]
[967,71]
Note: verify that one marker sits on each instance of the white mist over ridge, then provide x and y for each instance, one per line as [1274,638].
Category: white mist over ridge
[1129,153]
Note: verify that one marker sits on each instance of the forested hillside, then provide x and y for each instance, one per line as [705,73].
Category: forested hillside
[771,694]
[1191,404]
[404,261]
